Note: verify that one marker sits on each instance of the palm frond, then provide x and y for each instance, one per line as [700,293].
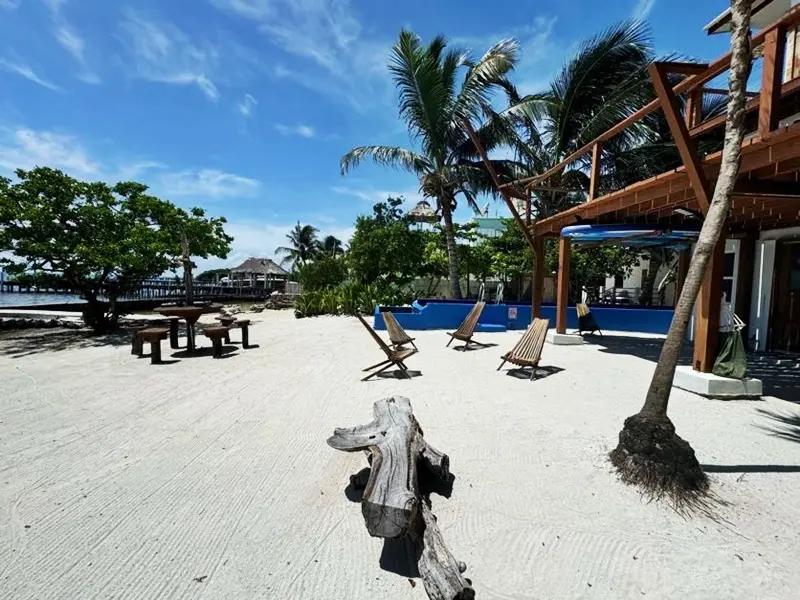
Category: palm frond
[487,74]
[387,156]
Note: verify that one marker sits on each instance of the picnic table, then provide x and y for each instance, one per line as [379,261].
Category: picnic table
[190,314]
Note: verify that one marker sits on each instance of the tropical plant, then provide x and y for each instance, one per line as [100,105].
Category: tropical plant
[332,246]
[323,272]
[385,247]
[350,299]
[304,246]
[650,454]
[97,240]
[434,106]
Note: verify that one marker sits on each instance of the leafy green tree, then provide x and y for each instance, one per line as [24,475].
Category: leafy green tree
[97,240]
[385,247]
[511,255]
[323,272]
[434,105]
[303,246]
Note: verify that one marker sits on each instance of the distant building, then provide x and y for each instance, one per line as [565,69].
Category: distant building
[490,226]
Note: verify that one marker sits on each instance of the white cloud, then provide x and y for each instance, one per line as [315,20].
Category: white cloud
[305,131]
[247,106]
[163,53]
[372,196]
[71,41]
[24,70]
[25,148]
[642,9]
[207,183]
[339,58]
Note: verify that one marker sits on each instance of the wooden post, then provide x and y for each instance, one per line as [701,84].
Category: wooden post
[594,180]
[562,298]
[538,276]
[771,79]
[680,133]
[684,258]
[706,327]
[694,108]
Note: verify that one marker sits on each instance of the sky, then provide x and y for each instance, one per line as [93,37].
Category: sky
[244,107]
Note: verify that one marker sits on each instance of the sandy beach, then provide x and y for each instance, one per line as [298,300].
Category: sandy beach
[212,479]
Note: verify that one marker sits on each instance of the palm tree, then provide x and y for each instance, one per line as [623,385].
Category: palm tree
[304,245]
[602,84]
[434,105]
[332,246]
[650,454]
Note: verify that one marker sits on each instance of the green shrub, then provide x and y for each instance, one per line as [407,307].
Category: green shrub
[349,299]
[324,272]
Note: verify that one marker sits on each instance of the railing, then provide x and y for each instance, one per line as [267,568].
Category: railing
[771,39]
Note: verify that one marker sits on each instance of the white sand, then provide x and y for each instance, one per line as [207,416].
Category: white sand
[126,480]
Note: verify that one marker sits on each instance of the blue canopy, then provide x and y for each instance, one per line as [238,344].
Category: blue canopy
[632,236]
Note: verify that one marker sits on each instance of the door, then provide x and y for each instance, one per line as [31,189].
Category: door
[785,314]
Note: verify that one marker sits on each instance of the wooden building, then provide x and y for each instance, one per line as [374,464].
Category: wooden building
[259,272]
[763,228]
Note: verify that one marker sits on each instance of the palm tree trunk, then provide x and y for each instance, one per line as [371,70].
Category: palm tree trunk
[452,254]
[650,454]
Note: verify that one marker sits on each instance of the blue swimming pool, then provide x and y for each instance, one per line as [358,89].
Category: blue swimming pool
[448,314]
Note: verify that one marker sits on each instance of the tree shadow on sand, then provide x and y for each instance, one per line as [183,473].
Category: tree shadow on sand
[784,425]
[26,342]
[779,373]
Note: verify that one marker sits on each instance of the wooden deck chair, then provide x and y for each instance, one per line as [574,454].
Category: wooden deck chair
[397,334]
[393,357]
[528,351]
[467,329]
[586,321]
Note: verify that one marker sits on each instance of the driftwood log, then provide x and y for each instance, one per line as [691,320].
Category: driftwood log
[392,505]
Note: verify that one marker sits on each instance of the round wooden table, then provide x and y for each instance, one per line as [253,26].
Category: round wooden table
[190,314]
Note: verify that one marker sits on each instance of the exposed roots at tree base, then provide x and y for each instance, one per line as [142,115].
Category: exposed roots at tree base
[651,456]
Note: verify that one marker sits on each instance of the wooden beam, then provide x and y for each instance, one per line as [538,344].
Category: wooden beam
[706,325]
[594,181]
[562,294]
[771,77]
[493,174]
[767,187]
[537,287]
[717,67]
[693,112]
[684,68]
[680,133]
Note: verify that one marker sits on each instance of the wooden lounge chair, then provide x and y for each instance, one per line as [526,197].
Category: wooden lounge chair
[397,334]
[528,351]
[393,357]
[467,329]
[586,321]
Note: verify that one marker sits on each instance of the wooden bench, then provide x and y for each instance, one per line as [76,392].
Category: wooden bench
[217,335]
[243,324]
[153,336]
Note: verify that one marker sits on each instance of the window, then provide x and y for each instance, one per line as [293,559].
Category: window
[618,281]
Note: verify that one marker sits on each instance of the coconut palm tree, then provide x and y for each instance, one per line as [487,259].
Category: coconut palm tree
[434,103]
[332,246]
[650,454]
[304,245]
[603,83]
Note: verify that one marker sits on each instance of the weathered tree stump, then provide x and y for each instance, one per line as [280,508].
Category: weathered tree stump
[392,505]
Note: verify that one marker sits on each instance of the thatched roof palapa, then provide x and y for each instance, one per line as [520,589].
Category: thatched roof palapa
[261,266]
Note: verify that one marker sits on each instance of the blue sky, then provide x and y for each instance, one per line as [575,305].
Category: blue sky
[244,107]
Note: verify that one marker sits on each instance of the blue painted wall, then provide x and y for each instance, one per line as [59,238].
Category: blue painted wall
[499,317]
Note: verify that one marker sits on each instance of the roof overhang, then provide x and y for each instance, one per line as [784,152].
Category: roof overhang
[762,14]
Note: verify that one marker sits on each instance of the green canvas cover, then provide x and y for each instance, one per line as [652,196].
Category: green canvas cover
[731,359]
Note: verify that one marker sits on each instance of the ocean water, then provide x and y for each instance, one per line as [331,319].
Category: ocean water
[15,299]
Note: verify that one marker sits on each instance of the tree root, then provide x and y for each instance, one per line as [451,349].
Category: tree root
[651,456]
